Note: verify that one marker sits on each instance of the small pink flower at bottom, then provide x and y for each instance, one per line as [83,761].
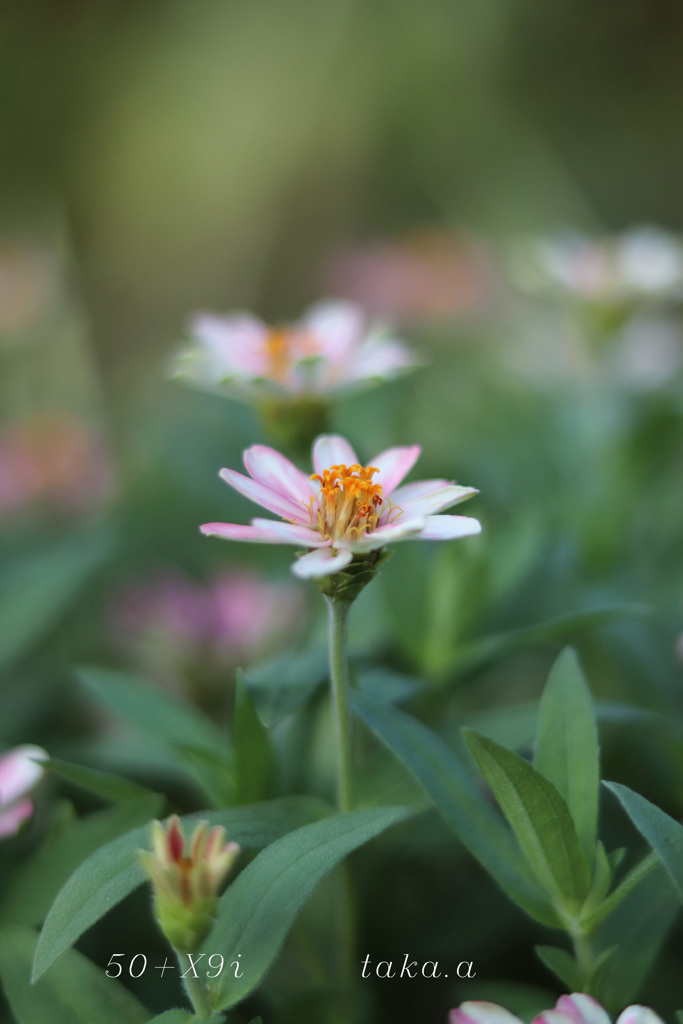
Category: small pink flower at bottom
[19,774]
[574,1009]
[344,509]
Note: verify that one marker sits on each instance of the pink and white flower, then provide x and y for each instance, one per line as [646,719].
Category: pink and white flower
[343,509]
[19,774]
[575,1009]
[331,348]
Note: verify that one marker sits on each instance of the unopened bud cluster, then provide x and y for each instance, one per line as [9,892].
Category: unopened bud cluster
[186,877]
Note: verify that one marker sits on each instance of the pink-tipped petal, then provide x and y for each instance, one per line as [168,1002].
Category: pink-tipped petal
[393,464]
[19,772]
[479,1012]
[265,496]
[449,528]
[322,562]
[277,473]
[436,501]
[337,328]
[553,1017]
[12,819]
[265,531]
[639,1015]
[332,450]
[581,1009]
[235,344]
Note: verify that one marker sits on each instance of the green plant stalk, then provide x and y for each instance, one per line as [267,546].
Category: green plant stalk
[196,990]
[339,678]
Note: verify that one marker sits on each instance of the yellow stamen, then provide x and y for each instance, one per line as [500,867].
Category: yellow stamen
[349,504]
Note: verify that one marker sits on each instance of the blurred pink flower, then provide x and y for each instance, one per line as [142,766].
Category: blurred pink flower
[339,512]
[19,773]
[427,274]
[233,619]
[575,1009]
[331,348]
[53,458]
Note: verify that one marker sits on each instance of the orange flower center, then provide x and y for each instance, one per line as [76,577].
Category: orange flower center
[349,504]
[286,345]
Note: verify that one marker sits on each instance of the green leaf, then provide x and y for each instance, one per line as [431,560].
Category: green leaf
[662,832]
[563,966]
[184,1017]
[632,880]
[79,993]
[602,878]
[388,686]
[638,924]
[40,589]
[567,751]
[167,722]
[254,761]
[260,907]
[539,818]
[106,785]
[35,883]
[556,630]
[449,782]
[281,686]
[114,871]
[163,718]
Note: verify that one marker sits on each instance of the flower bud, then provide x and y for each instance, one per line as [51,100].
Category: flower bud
[186,883]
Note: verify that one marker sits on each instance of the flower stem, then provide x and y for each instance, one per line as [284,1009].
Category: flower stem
[196,991]
[339,676]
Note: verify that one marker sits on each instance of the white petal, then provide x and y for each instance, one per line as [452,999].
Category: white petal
[393,464]
[322,562]
[19,772]
[265,531]
[578,1008]
[265,496]
[273,470]
[332,450]
[381,358]
[404,528]
[436,501]
[476,1012]
[449,528]
[337,328]
[235,344]
[639,1015]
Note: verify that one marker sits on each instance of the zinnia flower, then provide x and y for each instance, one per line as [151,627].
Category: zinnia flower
[19,773]
[575,1009]
[331,348]
[344,509]
[186,877]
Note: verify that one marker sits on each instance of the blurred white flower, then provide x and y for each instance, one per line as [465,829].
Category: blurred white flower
[642,264]
[332,348]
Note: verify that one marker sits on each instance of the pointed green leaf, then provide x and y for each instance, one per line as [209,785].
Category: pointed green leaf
[540,819]
[184,1017]
[563,966]
[254,761]
[632,880]
[281,686]
[260,907]
[663,833]
[163,718]
[106,785]
[114,871]
[36,882]
[78,993]
[567,746]
[449,782]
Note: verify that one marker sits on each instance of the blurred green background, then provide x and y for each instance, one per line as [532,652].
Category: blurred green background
[159,158]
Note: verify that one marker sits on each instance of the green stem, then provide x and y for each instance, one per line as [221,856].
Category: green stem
[196,990]
[584,955]
[339,676]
